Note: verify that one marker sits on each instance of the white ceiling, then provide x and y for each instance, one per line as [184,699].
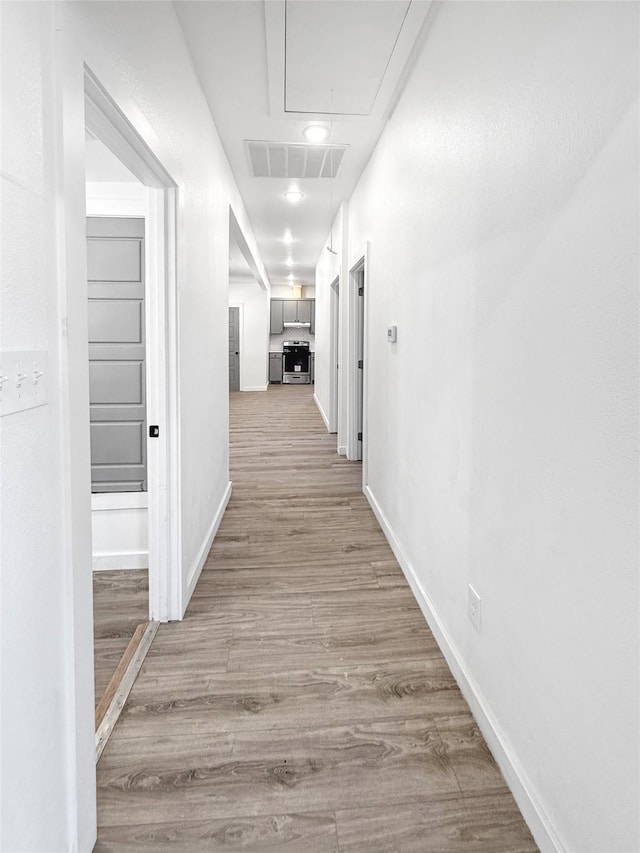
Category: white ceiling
[268,68]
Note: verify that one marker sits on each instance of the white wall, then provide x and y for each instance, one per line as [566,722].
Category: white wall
[329,269]
[254,333]
[38,696]
[501,206]
[48,749]
[120,530]
[116,199]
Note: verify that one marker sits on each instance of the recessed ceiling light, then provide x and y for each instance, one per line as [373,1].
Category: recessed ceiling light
[287,237]
[289,262]
[315,133]
[294,196]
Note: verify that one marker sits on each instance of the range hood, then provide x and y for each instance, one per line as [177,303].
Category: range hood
[294,324]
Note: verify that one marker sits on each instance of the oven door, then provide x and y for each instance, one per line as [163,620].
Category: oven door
[295,360]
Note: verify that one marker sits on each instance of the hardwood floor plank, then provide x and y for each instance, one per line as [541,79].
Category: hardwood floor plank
[313,833]
[233,702]
[482,824]
[290,771]
[330,648]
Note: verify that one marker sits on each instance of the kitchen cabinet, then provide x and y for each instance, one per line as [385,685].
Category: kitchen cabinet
[277,317]
[291,311]
[275,367]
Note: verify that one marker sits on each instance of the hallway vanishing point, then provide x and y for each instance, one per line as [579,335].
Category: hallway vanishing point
[302,704]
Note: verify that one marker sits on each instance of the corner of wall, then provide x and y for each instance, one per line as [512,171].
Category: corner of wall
[203,553]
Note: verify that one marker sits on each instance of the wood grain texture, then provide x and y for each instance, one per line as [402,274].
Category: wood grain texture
[122,681]
[120,604]
[118,674]
[303,703]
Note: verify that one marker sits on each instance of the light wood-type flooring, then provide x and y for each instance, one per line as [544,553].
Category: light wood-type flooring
[120,604]
[303,704]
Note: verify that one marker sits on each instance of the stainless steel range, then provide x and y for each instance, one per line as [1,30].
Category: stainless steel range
[295,363]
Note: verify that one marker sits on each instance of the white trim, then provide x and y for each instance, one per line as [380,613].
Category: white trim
[255,388]
[116,560]
[203,553]
[537,819]
[334,358]
[171,495]
[322,412]
[235,230]
[342,451]
[108,123]
[106,501]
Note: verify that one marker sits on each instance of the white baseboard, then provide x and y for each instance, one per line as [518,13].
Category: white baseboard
[203,553]
[535,816]
[255,388]
[322,412]
[342,451]
[110,562]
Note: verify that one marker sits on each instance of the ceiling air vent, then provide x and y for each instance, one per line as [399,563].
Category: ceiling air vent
[275,160]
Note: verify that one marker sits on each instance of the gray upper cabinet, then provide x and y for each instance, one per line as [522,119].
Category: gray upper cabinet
[304,311]
[276,317]
[292,311]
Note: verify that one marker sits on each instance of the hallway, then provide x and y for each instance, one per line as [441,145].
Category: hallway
[302,704]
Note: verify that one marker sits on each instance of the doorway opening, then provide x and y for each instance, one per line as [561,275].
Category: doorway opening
[133,369]
[356,394]
[116,291]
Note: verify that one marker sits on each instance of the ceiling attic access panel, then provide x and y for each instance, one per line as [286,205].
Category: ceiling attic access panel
[337,54]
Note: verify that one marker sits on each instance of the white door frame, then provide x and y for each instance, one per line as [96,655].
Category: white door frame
[359,261]
[334,338]
[105,121]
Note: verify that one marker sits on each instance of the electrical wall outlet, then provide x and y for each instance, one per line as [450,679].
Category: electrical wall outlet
[474,608]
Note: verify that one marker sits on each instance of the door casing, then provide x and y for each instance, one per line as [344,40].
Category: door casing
[334,349]
[105,121]
[357,348]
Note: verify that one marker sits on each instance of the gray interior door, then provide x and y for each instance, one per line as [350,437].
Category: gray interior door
[115,266]
[234,349]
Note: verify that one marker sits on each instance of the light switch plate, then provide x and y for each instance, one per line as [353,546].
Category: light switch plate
[392,334]
[24,376]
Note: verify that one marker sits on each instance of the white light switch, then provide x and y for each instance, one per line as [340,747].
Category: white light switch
[392,334]
[23,380]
